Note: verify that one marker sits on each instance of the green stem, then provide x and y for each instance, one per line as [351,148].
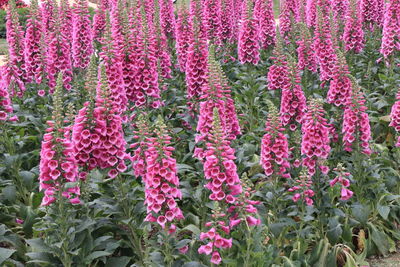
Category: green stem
[64,226]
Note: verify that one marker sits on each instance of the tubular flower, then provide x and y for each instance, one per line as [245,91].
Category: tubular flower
[339,9]
[342,179]
[110,151]
[82,41]
[274,146]
[58,56]
[84,138]
[293,100]
[305,50]
[324,48]
[216,95]
[212,20]
[66,20]
[57,163]
[183,33]
[248,43]
[140,146]
[395,117]
[356,122]
[167,18]
[15,75]
[32,47]
[311,13]
[353,35]
[99,22]
[162,50]
[370,13]
[5,101]
[227,21]
[196,64]
[278,76]
[112,59]
[48,10]
[264,14]
[315,140]
[339,91]
[287,17]
[391,30]
[161,181]
[303,189]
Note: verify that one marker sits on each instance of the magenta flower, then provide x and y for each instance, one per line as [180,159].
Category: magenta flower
[167,18]
[342,179]
[303,189]
[391,29]
[228,23]
[162,49]
[356,122]
[293,100]
[82,40]
[395,117]
[339,91]
[248,43]
[339,9]
[353,36]
[5,102]
[161,180]
[372,12]
[311,13]
[274,146]
[278,76]
[315,140]
[264,14]
[212,20]
[305,50]
[183,35]
[287,17]
[99,22]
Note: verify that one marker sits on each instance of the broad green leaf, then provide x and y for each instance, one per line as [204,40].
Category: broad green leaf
[5,253]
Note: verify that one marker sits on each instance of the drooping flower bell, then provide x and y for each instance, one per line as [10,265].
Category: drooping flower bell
[248,43]
[287,18]
[99,22]
[228,23]
[391,30]
[183,35]
[264,14]
[57,162]
[305,50]
[212,20]
[353,36]
[342,179]
[5,100]
[161,180]
[274,146]
[302,189]
[340,87]
[395,117]
[278,77]
[162,49]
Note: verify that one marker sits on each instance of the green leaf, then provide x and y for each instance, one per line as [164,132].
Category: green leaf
[380,239]
[10,193]
[383,211]
[117,261]
[27,178]
[95,255]
[182,243]
[361,213]
[38,245]
[5,253]
[192,228]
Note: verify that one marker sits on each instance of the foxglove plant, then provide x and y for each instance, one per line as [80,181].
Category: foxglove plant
[303,189]
[48,9]
[356,122]
[141,134]
[212,20]
[183,35]
[324,47]
[274,146]
[311,13]
[353,36]
[196,62]
[293,100]
[287,17]
[110,152]
[66,20]
[339,9]
[305,50]
[278,76]
[162,49]
[161,180]
[32,46]
[391,30]
[57,163]
[370,12]
[167,18]
[82,40]
[315,143]
[99,22]
[395,117]
[58,55]
[15,74]
[227,21]
[264,14]
[340,87]
[248,43]
[343,180]
[5,101]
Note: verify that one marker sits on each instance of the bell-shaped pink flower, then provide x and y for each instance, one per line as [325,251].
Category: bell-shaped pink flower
[391,30]
[264,14]
[353,36]
[395,117]
[248,42]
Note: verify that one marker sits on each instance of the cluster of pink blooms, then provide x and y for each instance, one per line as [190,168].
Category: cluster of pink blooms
[139,148]
[161,182]
[311,13]
[5,101]
[15,72]
[286,18]
[302,189]
[305,50]
[341,86]
[353,35]
[395,117]
[372,11]
[248,43]
[356,122]
[293,100]
[339,9]
[264,14]
[99,22]
[183,35]
[324,47]
[391,29]
[278,76]
[167,18]
[82,40]
[212,20]
[343,180]
[315,139]
[228,22]
[57,162]
[217,95]
[162,49]
[274,146]
[33,54]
